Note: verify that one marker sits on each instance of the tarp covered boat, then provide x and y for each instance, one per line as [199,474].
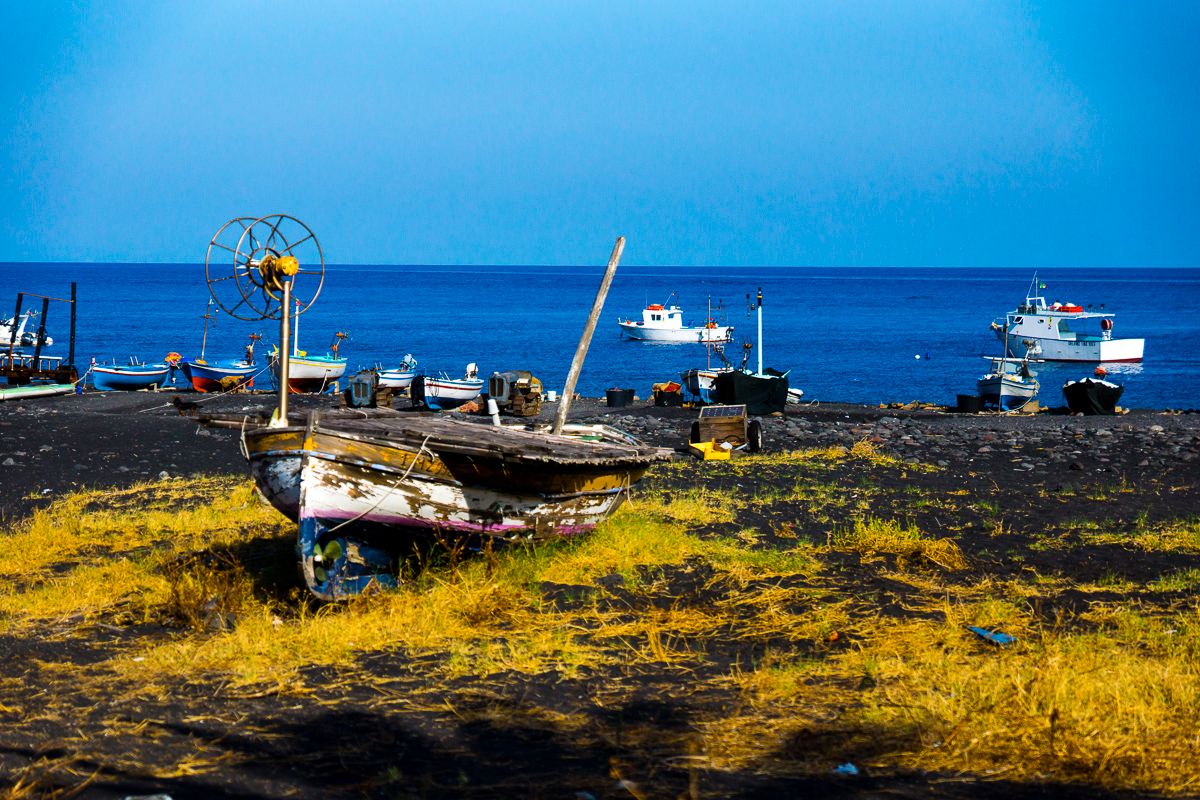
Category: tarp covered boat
[761,393]
[1092,396]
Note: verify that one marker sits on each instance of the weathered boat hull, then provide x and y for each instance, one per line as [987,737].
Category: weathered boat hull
[365,496]
[348,479]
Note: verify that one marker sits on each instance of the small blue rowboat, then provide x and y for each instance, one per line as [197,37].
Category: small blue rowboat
[128,377]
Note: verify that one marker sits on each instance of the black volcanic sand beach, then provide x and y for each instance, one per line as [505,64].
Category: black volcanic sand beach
[1002,485]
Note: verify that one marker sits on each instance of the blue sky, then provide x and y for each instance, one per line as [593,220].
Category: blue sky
[826,133]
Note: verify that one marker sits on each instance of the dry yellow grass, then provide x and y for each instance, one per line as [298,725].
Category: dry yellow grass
[1114,704]
[904,541]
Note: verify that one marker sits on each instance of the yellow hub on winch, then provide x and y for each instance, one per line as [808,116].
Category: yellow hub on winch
[277,269]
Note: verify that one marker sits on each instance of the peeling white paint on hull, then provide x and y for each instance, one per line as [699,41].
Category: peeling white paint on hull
[337,491]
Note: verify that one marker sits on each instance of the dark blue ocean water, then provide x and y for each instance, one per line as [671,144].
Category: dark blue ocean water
[847,334]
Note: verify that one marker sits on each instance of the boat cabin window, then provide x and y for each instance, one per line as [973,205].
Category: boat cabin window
[656,317]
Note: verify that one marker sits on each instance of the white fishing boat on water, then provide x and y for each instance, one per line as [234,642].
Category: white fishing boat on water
[663,323]
[1062,332]
[1009,384]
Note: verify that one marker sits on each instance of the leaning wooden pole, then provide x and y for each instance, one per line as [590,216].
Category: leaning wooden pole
[585,341]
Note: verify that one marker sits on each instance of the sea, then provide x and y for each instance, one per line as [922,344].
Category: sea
[846,335]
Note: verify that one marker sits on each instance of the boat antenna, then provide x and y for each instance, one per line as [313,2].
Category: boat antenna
[296,331]
[207,316]
[750,307]
[585,339]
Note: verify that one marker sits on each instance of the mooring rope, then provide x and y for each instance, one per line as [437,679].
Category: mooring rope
[391,488]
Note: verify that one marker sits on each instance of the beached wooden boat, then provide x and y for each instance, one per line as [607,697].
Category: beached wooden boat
[399,378]
[311,374]
[443,392]
[129,377]
[361,490]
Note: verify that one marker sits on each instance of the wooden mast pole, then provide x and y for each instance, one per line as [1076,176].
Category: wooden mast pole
[585,340]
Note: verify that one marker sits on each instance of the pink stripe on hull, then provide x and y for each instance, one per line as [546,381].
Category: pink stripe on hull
[462,527]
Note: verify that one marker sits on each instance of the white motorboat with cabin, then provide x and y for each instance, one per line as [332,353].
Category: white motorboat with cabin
[16,334]
[663,323]
[1062,332]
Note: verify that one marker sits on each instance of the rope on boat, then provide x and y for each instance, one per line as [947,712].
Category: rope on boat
[81,378]
[212,395]
[391,488]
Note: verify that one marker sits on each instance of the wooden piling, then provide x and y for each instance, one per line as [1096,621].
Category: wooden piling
[585,341]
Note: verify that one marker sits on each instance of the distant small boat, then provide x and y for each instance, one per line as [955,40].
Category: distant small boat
[1092,396]
[399,378]
[1009,384]
[664,324]
[129,377]
[444,392]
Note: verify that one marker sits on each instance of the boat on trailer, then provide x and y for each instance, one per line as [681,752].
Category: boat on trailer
[26,375]
[1062,331]
[15,333]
